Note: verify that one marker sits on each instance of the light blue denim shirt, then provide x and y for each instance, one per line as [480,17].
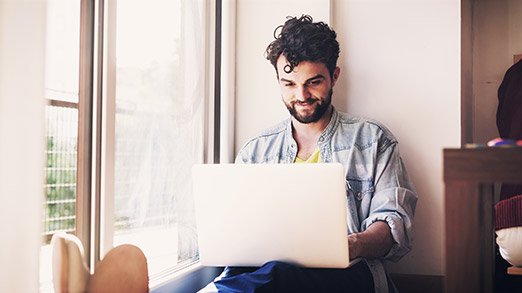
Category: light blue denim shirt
[377,185]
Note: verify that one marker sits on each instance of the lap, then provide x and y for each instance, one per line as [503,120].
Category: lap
[282,277]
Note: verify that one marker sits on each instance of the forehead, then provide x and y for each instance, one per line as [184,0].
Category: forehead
[303,71]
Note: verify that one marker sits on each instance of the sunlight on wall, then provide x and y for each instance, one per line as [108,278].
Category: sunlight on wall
[22,48]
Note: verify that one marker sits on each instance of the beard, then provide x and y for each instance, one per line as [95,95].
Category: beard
[319,111]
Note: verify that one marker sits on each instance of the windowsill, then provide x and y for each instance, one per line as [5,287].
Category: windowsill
[189,279]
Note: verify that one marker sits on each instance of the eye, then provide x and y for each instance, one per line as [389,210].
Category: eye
[288,84]
[315,82]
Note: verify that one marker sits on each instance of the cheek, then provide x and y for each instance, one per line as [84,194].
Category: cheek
[321,92]
[286,94]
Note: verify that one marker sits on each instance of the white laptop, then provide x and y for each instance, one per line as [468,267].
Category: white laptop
[249,214]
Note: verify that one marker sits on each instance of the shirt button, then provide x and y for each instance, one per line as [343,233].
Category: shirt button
[321,139]
[358,195]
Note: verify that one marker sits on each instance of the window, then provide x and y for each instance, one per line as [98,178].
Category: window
[62,114]
[160,86]
[60,186]
[130,88]
[61,93]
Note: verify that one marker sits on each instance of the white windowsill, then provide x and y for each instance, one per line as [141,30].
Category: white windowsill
[156,282]
[190,279]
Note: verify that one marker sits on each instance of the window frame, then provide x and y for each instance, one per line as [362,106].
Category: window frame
[96,124]
[85,130]
[96,134]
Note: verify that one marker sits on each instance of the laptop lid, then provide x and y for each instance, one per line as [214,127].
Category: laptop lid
[250,214]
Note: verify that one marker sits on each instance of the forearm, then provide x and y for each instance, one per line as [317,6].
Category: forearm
[374,242]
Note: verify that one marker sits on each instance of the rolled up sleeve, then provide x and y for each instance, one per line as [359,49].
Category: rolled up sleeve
[393,201]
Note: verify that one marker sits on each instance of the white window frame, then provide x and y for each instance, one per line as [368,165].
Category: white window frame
[104,110]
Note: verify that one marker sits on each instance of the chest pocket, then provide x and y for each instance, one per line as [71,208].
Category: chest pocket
[359,189]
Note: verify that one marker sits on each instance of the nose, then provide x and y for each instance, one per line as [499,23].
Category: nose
[302,93]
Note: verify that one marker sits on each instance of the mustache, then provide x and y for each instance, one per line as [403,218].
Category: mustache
[307,101]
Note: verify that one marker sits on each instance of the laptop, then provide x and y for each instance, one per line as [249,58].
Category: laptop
[250,214]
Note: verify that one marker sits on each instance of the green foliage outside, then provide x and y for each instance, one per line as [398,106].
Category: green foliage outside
[60,185]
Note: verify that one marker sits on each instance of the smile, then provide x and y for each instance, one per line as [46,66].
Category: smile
[307,103]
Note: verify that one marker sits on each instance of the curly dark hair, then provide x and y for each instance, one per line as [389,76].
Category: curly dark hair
[301,39]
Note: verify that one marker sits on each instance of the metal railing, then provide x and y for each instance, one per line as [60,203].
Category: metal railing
[60,186]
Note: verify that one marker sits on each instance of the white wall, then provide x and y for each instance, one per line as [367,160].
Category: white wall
[258,101]
[22,44]
[400,64]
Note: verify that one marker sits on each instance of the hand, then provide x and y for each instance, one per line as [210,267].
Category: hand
[353,248]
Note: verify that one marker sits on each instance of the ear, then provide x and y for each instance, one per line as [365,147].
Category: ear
[335,76]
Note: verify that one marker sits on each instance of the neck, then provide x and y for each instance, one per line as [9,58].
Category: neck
[306,135]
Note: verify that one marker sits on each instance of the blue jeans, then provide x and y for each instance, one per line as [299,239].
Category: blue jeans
[282,277]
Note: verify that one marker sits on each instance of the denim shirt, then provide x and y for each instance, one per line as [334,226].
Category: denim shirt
[377,185]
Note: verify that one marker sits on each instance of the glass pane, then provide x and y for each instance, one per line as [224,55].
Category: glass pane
[62,50]
[159,127]
[60,186]
[61,92]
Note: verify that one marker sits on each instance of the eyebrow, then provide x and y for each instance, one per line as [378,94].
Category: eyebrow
[319,76]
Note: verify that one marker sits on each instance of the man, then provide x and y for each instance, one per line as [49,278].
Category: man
[380,197]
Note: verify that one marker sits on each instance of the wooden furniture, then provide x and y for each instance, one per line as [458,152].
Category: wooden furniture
[469,175]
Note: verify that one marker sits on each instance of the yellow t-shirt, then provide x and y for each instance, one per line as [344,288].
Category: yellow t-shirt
[314,158]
